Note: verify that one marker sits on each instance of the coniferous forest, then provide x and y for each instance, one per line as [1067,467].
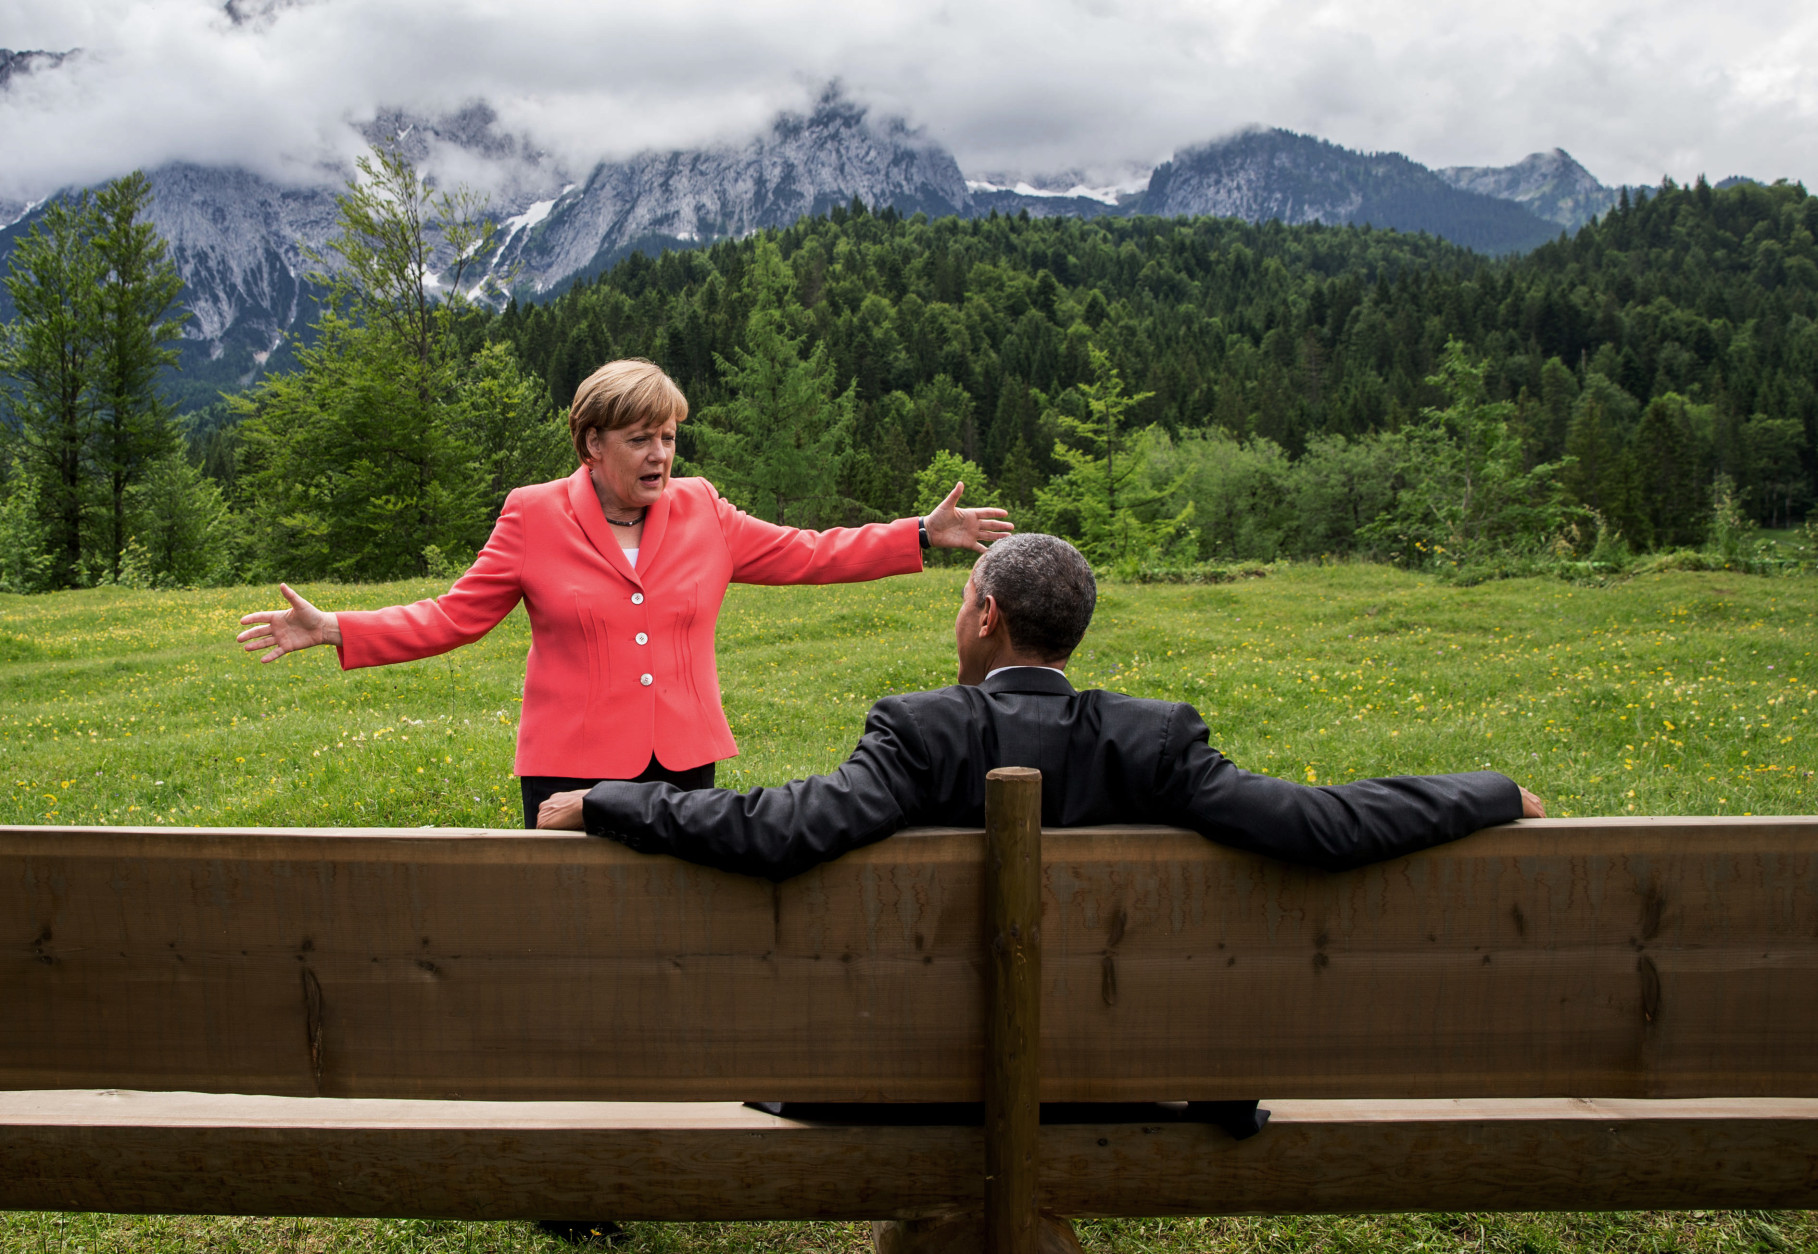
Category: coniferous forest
[1166,392]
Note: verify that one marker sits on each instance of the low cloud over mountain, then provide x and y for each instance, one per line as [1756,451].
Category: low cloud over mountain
[283,87]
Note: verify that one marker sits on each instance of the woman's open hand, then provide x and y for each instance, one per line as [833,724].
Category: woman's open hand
[950,527]
[285,631]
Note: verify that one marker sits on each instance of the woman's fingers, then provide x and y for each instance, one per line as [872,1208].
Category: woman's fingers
[950,527]
[986,524]
[283,631]
[268,641]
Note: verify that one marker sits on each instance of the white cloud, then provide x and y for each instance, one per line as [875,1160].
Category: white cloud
[1634,90]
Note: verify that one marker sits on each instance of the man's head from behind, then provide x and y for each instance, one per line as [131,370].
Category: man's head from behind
[1028,603]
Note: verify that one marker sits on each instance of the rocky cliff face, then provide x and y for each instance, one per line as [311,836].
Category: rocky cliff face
[802,165]
[1550,185]
[1276,174]
[238,241]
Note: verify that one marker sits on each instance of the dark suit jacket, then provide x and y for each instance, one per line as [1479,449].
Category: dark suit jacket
[1104,757]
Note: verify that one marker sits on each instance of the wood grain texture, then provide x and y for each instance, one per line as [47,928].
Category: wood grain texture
[1623,958]
[195,1153]
[1013,1012]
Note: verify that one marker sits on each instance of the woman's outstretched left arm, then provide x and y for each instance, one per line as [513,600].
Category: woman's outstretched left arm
[763,552]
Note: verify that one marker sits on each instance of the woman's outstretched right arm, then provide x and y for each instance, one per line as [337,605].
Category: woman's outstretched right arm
[402,633]
[278,632]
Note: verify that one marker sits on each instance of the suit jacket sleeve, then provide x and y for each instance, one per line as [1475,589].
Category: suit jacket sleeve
[765,553]
[1335,827]
[467,611]
[777,832]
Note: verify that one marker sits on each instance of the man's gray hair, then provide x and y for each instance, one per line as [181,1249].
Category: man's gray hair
[1043,587]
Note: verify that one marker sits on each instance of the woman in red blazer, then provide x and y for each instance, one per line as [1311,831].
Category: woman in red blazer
[622,571]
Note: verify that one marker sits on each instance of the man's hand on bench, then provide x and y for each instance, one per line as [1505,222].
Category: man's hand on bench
[1532,807]
[563,810]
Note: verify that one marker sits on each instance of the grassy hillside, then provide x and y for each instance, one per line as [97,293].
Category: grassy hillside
[1680,693]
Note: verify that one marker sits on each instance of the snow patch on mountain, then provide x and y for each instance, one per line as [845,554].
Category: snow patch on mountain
[531,216]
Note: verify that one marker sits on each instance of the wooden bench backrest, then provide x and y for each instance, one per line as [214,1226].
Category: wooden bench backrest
[1608,958]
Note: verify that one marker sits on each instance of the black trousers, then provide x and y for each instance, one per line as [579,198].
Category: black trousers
[1239,1119]
[539,788]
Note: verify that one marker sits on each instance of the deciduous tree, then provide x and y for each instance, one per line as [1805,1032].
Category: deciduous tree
[365,456]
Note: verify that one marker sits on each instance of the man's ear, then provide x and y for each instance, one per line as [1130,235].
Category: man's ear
[989,618]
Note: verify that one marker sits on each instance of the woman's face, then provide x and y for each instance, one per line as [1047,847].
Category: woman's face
[631,465]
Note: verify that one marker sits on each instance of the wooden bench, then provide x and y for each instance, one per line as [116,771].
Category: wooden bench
[1566,1015]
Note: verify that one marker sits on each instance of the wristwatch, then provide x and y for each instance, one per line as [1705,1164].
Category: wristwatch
[921,527]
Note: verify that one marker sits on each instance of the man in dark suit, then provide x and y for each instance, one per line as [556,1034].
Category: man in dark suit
[1104,757]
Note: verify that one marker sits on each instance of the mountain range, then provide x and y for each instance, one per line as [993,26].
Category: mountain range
[242,242]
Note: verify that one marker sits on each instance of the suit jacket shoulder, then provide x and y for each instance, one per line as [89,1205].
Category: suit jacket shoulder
[1105,757]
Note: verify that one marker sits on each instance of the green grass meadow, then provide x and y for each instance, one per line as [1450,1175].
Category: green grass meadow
[1684,693]
[1681,693]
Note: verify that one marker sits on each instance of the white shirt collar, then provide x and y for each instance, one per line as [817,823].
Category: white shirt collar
[1023,667]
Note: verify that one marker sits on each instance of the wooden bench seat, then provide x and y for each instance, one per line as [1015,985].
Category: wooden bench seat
[222,1154]
[1551,1015]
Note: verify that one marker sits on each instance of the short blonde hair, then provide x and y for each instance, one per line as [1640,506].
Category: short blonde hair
[628,393]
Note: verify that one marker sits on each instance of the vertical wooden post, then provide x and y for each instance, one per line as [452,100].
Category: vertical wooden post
[1013,920]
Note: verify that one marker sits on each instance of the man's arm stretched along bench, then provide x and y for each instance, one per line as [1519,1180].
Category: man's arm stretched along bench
[1108,759]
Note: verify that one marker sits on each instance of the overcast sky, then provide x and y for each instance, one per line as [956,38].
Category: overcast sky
[1633,89]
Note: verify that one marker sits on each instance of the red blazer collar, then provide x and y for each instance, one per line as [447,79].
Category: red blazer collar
[586,506]
[656,522]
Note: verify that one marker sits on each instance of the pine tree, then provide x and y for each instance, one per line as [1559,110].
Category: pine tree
[137,296]
[24,560]
[51,353]
[181,532]
[1671,474]
[778,444]
[1597,470]
[507,418]
[1103,499]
